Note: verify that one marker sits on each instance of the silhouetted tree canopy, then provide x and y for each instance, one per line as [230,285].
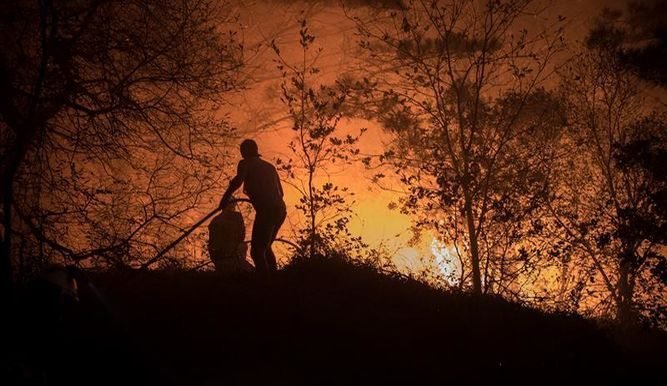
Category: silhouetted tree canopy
[457,84]
[639,35]
[105,108]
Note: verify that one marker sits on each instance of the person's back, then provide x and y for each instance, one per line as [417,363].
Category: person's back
[226,242]
[261,183]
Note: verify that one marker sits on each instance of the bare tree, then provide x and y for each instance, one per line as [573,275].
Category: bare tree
[108,119]
[318,146]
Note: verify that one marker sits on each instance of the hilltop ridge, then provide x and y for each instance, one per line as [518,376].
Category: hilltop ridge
[333,322]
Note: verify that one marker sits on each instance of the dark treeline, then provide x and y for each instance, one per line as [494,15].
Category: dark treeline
[541,161]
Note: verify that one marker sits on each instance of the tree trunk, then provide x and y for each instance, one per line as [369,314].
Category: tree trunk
[15,159]
[625,312]
[311,198]
[474,248]
[6,243]
[25,127]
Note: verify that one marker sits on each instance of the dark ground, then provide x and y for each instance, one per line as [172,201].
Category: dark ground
[315,323]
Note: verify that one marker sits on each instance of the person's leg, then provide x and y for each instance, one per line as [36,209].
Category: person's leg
[261,238]
[278,220]
[271,259]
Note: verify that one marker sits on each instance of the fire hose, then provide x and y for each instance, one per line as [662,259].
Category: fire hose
[192,229]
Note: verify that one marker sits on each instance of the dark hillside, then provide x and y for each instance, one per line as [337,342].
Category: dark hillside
[329,322]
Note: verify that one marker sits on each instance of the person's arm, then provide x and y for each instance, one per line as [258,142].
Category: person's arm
[234,184]
[280,186]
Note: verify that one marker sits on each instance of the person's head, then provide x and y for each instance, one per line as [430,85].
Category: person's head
[231,206]
[249,149]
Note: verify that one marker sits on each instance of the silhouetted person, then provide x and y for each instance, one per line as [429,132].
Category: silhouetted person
[226,245]
[262,185]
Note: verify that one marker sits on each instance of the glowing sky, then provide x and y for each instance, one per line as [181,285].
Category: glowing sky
[258,112]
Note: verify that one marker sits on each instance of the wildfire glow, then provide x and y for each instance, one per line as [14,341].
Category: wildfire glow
[447,261]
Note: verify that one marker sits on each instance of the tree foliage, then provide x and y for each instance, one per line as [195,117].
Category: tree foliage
[638,36]
[458,84]
[610,197]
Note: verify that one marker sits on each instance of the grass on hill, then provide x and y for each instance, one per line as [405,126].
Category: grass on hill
[325,322]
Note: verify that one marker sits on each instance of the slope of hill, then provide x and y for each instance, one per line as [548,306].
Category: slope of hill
[329,322]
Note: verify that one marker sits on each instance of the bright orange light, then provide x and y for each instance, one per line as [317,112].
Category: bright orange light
[447,260]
